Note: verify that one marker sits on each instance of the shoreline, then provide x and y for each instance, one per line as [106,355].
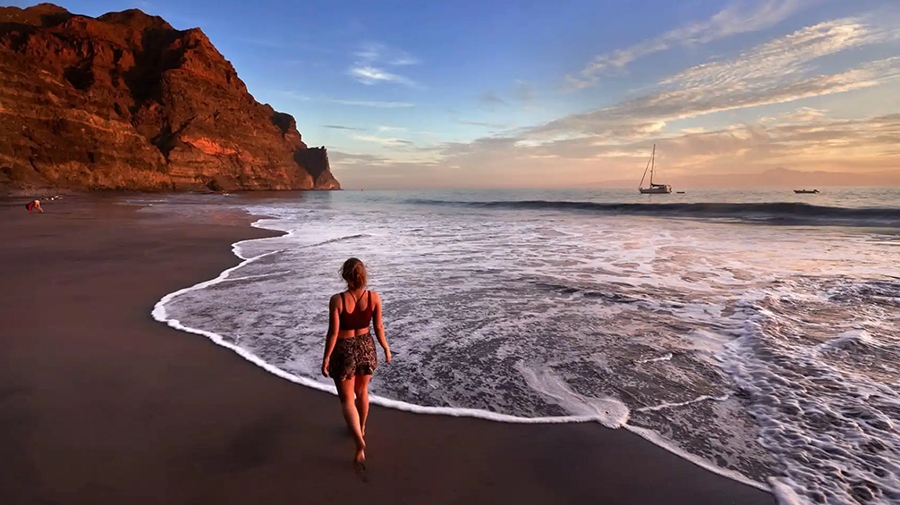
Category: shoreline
[159,314]
[102,404]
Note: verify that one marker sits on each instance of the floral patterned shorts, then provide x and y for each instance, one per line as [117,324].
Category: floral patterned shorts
[353,356]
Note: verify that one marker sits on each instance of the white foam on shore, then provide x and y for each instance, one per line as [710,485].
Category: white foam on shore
[664,357]
[159,314]
[609,412]
[784,493]
[668,405]
[605,418]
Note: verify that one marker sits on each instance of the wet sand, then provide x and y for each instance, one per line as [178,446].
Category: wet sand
[101,404]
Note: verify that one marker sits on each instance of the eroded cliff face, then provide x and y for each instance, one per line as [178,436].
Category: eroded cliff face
[125,101]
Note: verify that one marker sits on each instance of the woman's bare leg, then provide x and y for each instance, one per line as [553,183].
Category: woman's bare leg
[361,388]
[351,416]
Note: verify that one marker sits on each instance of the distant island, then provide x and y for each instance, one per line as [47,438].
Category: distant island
[126,101]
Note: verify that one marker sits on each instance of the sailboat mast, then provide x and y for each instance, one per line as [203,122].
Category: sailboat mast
[641,185]
[652,163]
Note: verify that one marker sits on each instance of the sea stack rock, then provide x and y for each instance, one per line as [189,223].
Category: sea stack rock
[125,101]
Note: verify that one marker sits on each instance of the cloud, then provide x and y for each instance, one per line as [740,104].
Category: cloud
[358,103]
[734,19]
[373,75]
[347,159]
[482,123]
[341,127]
[524,93]
[369,65]
[385,142]
[849,145]
[490,100]
[778,71]
[369,51]
[383,128]
[520,93]
[404,60]
[388,166]
[818,142]
[371,103]
[790,54]
[375,51]
[613,143]
[799,115]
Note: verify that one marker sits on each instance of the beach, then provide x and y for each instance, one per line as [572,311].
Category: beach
[102,404]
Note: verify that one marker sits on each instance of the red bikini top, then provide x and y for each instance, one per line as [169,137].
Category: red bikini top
[358,319]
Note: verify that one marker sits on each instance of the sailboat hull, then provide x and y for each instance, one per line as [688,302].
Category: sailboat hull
[656,190]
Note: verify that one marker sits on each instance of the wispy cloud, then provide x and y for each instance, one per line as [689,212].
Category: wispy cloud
[823,59]
[371,59]
[799,115]
[383,128]
[778,71]
[491,100]
[341,101]
[520,93]
[784,56]
[734,19]
[384,141]
[341,127]
[817,142]
[524,93]
[373,103]
[374,75]
[859,145]
[486,124]
[404,60]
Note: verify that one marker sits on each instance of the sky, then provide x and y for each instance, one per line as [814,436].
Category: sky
[567,93]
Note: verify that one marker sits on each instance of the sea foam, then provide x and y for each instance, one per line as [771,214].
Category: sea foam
[549,318]
[608,412]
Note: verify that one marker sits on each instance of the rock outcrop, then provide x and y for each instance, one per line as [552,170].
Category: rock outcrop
[125,101]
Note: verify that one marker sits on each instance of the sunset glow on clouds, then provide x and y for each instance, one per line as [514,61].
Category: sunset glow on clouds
[568,93]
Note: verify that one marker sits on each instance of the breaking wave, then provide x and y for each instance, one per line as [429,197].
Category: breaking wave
[786,213]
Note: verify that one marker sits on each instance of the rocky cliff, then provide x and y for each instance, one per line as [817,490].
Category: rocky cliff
[125,101]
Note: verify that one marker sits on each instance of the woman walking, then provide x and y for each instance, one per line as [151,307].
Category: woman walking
[350,358]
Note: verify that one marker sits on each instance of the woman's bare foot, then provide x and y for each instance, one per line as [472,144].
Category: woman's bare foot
[360,459]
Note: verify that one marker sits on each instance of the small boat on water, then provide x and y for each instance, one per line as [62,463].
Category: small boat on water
[653,189]
[806,191]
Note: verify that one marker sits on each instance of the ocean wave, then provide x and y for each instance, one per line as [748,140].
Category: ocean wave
[768,213]
[336,239]
[743,355]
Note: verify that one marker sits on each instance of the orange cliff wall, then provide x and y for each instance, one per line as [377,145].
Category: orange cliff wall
[125,101]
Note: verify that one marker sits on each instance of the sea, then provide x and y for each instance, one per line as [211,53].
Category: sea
[753,332]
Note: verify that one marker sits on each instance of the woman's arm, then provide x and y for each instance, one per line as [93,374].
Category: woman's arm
[379,328]
[334,311]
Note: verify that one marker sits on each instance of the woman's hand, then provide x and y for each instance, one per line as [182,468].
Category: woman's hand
[325,367]
[387,354]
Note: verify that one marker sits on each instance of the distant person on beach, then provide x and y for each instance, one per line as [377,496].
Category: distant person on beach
[34,205]
[350,358]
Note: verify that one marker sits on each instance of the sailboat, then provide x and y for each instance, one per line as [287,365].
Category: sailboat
[653,189]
